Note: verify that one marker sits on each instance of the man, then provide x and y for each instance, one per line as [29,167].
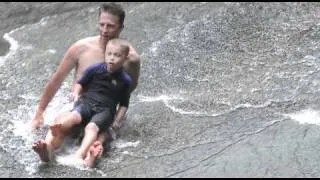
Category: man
[87,52]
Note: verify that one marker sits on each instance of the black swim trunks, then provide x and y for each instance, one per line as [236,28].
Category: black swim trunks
[102,116]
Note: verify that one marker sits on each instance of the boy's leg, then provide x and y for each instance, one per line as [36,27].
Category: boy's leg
[91,134]
[104,137]
[55,136]
[63,125]
[100,122]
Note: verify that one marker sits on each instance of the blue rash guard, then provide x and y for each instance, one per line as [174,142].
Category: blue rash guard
[103,91]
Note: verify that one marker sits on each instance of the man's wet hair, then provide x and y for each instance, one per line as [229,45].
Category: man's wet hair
[114,9]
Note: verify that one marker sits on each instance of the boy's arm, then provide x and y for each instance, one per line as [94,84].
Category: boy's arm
[77,91]
[119,117]
[123,107]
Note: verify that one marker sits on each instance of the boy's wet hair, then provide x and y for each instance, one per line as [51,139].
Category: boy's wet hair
[124,44]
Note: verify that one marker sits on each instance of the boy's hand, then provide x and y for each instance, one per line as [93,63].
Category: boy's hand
[112,133]
[116,126]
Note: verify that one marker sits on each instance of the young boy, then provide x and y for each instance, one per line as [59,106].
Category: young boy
[104,86]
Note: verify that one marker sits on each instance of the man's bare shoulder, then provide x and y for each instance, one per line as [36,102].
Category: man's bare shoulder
[87,41]
[83,44]
[133,58]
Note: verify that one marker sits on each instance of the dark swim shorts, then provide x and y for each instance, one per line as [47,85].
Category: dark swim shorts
[102,116]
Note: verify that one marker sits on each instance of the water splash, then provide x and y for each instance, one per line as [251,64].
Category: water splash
[72,161]
[306,116]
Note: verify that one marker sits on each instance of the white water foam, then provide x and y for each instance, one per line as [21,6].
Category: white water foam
[59,104]
[120,144]
[159,98]
[51,51]
[56,108]
[306,116]
[13,47]
[69,159]
[167,98]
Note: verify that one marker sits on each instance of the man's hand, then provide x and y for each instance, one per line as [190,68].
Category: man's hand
[37,122]
[73,97]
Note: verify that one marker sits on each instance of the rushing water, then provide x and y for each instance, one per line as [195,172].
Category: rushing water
[226,90]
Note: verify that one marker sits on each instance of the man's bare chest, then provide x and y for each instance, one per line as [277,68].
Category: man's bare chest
[89,58]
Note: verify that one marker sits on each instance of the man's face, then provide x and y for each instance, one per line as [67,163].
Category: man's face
[109,26]
[114,57]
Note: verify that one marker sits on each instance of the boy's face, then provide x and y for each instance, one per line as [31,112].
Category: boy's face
[114,57]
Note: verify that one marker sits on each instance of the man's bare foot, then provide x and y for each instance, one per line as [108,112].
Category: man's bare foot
[40,147]
[95,151]
[56,129]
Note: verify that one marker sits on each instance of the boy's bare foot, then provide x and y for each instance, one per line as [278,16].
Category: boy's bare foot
[56,129]
[95,151]
[98,145]
[40,147]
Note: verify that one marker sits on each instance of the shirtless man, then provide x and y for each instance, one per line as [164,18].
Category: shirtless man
[80,56]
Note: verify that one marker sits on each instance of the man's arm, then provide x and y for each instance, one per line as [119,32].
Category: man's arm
[67,63]
[132,66]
